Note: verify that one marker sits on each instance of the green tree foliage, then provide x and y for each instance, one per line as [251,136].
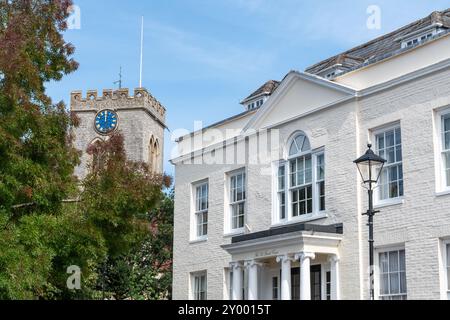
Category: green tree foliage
[41,232]
[145,272]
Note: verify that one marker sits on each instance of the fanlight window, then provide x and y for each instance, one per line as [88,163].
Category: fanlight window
[301,181]
[299,145]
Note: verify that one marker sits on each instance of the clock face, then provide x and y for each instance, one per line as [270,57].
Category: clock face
[106,121]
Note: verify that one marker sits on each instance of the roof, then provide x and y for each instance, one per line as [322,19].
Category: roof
[219,123]
[381,47]
[266,89]
[332,229]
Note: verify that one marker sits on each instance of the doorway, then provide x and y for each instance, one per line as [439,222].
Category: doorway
[316,283]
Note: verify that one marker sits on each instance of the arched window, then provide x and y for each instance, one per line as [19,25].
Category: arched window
[95,159]
[300,144]
[301,180]
[154,152]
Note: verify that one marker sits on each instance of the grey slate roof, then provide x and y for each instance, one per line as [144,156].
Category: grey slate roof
[381,47]
[266,89]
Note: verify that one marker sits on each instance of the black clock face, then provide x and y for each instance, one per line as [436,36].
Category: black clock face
[106,121]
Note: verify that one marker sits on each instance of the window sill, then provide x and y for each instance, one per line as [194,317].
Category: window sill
[199,240]
[234,233]
[443,193]
[389,203]
[307,218]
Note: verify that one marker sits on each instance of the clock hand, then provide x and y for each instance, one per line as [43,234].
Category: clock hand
[106,116]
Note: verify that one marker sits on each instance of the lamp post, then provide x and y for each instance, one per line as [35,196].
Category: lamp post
[370,166]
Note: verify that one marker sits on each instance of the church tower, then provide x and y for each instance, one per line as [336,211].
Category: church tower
[140,118]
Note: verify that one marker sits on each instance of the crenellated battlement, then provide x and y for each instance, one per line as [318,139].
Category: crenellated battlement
[116,99]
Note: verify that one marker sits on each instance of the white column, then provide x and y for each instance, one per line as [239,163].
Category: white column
[305,274]
[335,285]
[252,267]
[237,281]
[285,276]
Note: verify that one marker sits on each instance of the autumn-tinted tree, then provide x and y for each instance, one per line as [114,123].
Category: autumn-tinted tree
[36,158]
[48,221]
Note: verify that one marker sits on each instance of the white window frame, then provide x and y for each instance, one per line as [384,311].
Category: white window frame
[445,271]
[199,212]
[315,185]
[278,192]
[228,225]
[194,234]
[441,178]
[377,275]
[194,292]
[382,130]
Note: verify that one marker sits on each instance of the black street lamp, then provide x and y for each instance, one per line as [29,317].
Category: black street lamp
[370,166]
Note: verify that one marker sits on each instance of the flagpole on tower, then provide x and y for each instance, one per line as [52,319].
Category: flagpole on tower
[142,52]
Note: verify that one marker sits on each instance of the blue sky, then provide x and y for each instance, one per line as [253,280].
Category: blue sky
[201,57]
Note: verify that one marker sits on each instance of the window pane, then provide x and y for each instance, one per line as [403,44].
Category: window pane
[390,155]
[293,150]
[281,177]
[384,284]
[402,261]
[393,261]
[282,205]
[384,267]
[448,255]
[295,209]
[394,283]
[390,141]
[393,190]
[302,208]
[300,140]
[306,145]
[398,154]
[403,282]
[398,136]
[308,170]
[320,167]
[322,196]
[380,139]
[447,141]
[393,173]
[446,123]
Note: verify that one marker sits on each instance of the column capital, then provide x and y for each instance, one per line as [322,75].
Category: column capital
[334,258]
[285,258]
[253,263]
[305,255]
[236,265]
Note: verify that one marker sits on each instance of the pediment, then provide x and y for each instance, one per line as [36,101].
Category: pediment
[298,94]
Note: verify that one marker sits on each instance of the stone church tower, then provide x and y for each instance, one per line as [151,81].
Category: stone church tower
[140,119]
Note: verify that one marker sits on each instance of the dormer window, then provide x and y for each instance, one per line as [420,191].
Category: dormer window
[332,73]
[417,39]
[260,96]
[255,104]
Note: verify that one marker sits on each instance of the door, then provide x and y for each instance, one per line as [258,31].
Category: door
[316,282]
[295,284]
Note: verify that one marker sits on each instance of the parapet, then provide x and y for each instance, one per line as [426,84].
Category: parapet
[117,99]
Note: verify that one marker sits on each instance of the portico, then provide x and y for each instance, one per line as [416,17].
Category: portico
[298,262]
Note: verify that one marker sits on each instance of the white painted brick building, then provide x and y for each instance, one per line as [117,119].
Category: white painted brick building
[236,239]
